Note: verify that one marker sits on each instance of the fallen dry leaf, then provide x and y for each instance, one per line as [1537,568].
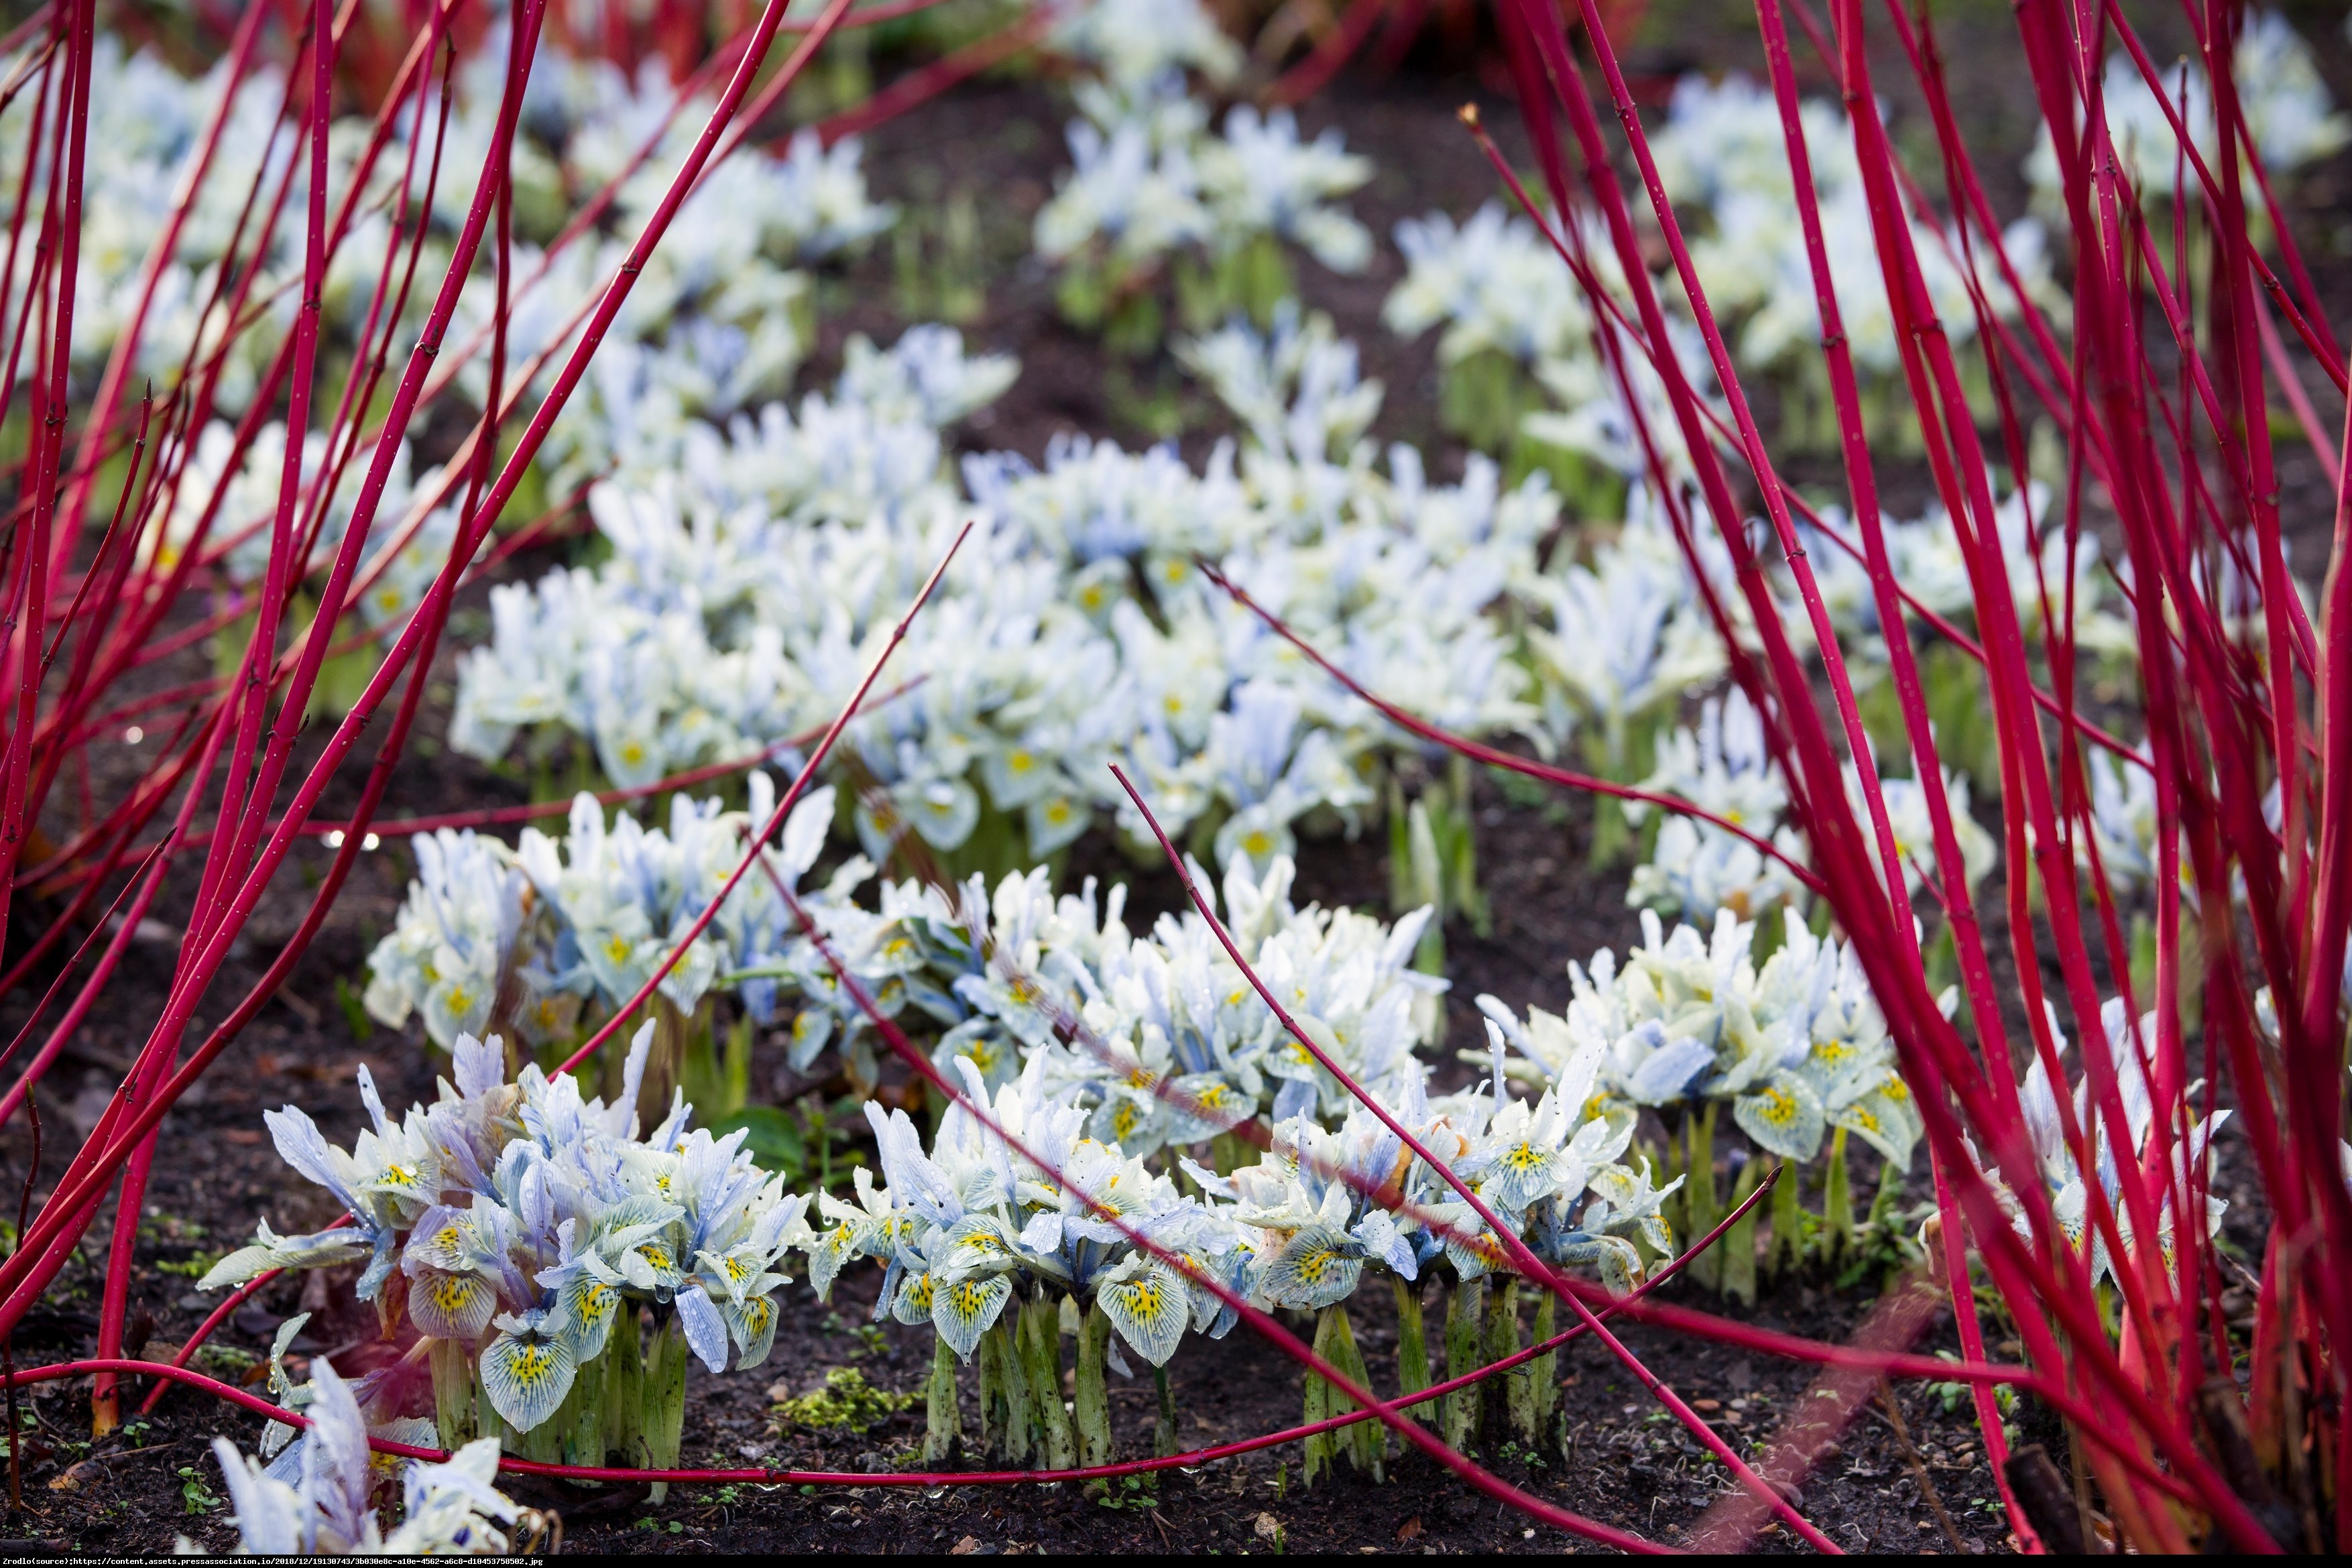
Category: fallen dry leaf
[965,1547]
[1268,1527]
[1709,1406]
[1409,1528]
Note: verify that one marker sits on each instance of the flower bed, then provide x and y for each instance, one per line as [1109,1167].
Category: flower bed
[885,848]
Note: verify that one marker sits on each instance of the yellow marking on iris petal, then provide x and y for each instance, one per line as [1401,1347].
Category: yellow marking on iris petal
[1862,1119]
[617,948]
[1257,842]
[1894,1089]
[1779,1106]
[449,1292]
[461,1000]
[531,1364]
[1526,1157]
[1832,1051]
[633,752]
[1126,1119]
[1142,1296]
[919,1294]
[447,1238]
[1019,761]
[654,1253]
[968,1299]
[1313,1266]
[736,1271]
[1139,1077]
[1594,1106]
[598,1301]
[1058,812]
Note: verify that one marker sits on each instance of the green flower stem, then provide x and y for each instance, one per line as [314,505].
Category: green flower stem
[1093,1401]
[583,1415]
[1889,1197]
[1502,1339]
[988,1361]
[1317,1406]
[991,1373]
[1461,851]
[1464,1310]
[1041,1342]
[453,1392]
[1700,1210]
[1837,1202]
[1739,1246]
[1163,1435]
[664,1401]
[1335,1342]
[1788,1248]
[1543,1372]
[1366,1442]
[624,1390]
[944,1424]
[1412,1340]
[1019,1419]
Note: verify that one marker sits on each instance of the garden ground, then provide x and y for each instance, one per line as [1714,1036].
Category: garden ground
[1908,1475]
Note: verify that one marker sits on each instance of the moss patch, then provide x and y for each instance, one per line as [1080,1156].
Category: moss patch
[846,1400]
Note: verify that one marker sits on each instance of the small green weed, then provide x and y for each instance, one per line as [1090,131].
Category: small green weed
[1131,1492]
[195,1267]
[354,1010]
[195,1495]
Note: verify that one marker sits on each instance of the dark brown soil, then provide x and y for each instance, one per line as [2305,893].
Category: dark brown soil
[1617,1457]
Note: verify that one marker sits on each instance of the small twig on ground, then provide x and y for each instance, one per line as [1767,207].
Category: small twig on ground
[1893,1408]
[307,1012]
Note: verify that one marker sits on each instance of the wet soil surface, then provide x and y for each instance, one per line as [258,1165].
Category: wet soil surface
[1613,1455]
